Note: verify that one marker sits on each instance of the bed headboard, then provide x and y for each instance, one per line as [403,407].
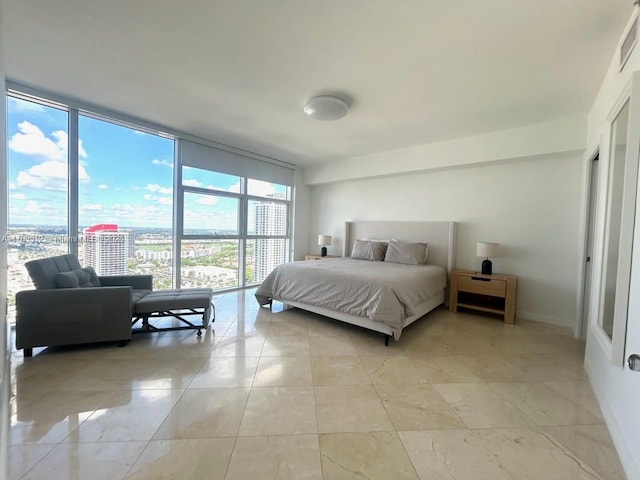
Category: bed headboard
[441,237]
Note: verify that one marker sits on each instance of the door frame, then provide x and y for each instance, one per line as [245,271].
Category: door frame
[590,217]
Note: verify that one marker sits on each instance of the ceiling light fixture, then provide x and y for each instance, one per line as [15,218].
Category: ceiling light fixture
[326,107]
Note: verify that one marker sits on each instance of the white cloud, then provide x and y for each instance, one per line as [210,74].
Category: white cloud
[129,214]
[263,189]
[126,208]
[255,187]
[207,200]
[52,173]
[30,140]
[26,106]
[82,153]
[35,208]
[166,163]
[191,182]
[91,207]
[13,186]
[155,188]
[41,211]
[160,200]
[149,209]
[102,186]
[18,196]
[49,175]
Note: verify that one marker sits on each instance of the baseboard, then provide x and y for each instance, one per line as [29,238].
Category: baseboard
[536,317]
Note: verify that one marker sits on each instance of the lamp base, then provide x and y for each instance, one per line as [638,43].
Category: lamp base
[323,252]
[486,267]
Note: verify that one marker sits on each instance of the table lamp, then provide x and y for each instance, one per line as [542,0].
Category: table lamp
[324,240]
[486,250]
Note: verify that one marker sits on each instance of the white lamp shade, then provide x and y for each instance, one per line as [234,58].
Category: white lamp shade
[487,249]
[324,240]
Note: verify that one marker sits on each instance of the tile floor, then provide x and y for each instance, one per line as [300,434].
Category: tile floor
[289,394]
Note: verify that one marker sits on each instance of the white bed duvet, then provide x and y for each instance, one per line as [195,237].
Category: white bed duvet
[380,291]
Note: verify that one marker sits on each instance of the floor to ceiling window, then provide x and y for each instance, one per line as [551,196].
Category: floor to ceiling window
[37,168]
[111,200]
[210,229]
[235,228]
[267,240]
[125,200]
[226,219]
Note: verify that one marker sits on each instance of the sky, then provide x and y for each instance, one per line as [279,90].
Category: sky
[126,176]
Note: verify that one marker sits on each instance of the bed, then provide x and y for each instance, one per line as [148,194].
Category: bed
[377,295]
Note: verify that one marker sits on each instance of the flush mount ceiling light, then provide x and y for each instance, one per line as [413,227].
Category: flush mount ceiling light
[326,107]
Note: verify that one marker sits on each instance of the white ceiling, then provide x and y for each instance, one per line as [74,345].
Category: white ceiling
[239,71]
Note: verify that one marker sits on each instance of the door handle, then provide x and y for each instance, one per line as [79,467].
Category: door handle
[634,362]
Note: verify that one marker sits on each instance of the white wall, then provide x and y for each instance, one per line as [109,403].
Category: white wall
[4,351]
[530,206]
[617,389]
[301,206]
[559,135]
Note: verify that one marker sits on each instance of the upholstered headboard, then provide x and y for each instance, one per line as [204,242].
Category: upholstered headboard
[441,237]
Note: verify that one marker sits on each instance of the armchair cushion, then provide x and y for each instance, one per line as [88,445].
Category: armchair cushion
[94,280]
[83,277]
[137,282]
[43,271]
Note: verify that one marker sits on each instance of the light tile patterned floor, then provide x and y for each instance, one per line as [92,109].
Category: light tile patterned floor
[289,394]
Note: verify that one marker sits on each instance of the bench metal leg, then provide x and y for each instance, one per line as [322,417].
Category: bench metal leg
[146,326]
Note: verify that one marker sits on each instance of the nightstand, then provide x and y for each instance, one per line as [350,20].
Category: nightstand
[319,257]
[486,293]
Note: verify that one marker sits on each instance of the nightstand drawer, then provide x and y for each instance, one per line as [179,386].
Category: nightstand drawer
[482,286]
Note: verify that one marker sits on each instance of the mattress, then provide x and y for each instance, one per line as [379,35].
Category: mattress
[380,291]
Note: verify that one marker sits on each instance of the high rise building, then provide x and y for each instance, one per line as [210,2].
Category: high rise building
[130,241]
[106,248]
[270,219]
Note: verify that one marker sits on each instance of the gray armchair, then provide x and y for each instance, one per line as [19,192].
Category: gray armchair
[72,305]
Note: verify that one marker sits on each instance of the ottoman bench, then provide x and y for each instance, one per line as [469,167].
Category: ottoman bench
[177,304]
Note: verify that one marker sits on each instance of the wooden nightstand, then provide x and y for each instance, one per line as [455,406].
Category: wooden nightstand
[319,257]
[486,293]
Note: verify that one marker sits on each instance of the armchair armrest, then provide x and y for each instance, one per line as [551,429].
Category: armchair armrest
[28,300]
[137,282]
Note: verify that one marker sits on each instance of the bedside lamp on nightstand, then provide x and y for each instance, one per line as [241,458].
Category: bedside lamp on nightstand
[323,241]
[486,250]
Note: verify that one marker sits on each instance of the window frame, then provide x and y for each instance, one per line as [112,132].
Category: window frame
[75,108]
[243,215]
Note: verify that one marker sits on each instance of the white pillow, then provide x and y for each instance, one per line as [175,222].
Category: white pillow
[407,253]
[369,250]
